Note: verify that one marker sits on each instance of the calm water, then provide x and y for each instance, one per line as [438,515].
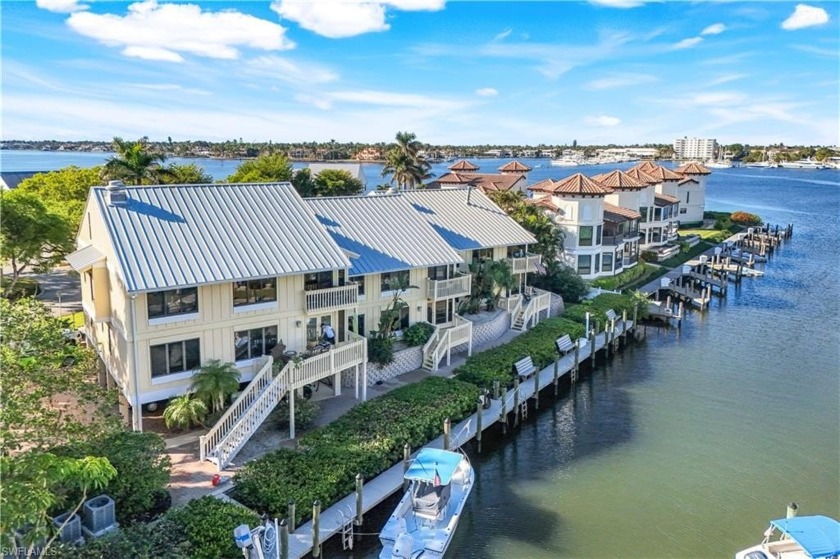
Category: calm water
[686,445]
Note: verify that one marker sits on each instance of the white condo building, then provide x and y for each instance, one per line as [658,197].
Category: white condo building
[695,148]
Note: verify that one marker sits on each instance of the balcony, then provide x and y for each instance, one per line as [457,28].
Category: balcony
[524,264]
[459,286]
[612,240]
[332,298]
[630,260]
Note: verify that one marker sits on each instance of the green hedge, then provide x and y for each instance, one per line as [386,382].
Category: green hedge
[497,363]
[624,278]
[368,440]
[686,255]
[597,308]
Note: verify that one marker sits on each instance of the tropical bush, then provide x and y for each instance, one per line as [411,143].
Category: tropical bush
[563,280]
[162,540]
[380,350]
[142,465]
[418,334]
[207,524]
[494,364]
[745,218]
[368,440]
[184,411]
[305,412]
[648,256]
[214,382]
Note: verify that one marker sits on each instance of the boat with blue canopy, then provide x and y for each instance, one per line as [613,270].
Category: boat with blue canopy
[800,537]
[422,525]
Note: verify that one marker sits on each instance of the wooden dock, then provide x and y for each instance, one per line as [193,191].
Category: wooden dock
[336,519]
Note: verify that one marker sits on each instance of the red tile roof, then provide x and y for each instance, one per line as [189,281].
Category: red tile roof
[576,184]
[543,201]
[688,180]
[658,200]
[514,167]
[463,165]
[642,176]
[619,180]
[486,182]
[619,213]
[693,169]
[658,172]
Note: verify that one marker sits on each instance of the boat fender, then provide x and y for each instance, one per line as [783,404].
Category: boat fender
[403,546]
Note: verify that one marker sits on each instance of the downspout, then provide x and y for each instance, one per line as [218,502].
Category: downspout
[136,410]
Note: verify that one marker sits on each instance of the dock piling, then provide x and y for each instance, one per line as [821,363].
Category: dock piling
[479,427]
[792,510]
[516,402]
[537,390]
[556,371]
[447,431]
[360,484]
[496,390]
[290,515]
[316,529]
[577,362]
[406,463]
[284,539]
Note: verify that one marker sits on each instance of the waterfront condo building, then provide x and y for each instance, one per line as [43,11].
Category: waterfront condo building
[176,275]
[702,149]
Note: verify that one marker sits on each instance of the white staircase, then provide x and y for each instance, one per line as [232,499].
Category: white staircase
[245,415]
[443,340]
[526,314]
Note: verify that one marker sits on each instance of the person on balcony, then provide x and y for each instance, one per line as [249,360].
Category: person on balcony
[328,334]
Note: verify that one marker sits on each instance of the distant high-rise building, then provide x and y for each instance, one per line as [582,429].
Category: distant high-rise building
[695,148]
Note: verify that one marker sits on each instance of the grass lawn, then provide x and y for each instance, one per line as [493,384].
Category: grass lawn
[75,320]
[682,257]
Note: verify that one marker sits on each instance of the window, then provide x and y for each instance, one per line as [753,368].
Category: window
[687,196]
[584,264]
[361,281]
[644,211]
[256,342]
[607,261]
[619,261]
[657,214]
[254,291]
[359,326]
[89,277]
[442,311]
[585,236]
[176,357]
[174,302]
[391,281]
[598,237]
[439,272]
[683,210]
[482,254]
[317,280]
[516,251]
[403,317]
[597,263]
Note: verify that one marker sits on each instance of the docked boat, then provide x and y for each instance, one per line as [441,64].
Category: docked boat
[800,537]
[567,161]
[424,521]
[801,164]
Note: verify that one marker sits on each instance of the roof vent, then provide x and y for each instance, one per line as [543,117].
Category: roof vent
[117,196]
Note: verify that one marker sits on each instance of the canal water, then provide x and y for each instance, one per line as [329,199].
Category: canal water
[687,444]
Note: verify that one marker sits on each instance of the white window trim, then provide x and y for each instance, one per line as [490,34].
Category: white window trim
[174,318]
[269,306]
[174,377]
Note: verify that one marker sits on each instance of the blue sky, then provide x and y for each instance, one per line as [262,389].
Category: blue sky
[619,71]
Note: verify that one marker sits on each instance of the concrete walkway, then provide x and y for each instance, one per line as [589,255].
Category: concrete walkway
[190,478]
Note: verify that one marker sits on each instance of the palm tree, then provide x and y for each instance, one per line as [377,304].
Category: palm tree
[184,411]
[134,163]
[214,382]
[405,165]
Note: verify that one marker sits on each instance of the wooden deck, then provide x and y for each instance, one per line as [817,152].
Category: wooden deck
[390,481]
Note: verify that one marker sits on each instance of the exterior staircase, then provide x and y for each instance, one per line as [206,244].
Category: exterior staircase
[443,340]
[525,314]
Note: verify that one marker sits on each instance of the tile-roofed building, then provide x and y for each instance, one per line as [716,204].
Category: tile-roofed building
[578,184]
[381,233]
[665,200]
[619,180]
[687,180]
[514,167]
[641,176]
[484,181]
[464,165]
[176,236]
[659,172]
[692,169]
[467,219]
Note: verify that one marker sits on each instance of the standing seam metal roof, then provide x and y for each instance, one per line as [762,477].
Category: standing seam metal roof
[467,226]
[385,232]
[184,235]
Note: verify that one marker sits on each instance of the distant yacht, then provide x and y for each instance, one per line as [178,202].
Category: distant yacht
[711,164]
[760,164]
[802,164]
[567,161]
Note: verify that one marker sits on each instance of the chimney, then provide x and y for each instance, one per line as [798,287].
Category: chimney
[117,196]
[469,194]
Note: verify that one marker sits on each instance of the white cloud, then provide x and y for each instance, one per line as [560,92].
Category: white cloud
[620,80]
[618,3]
[503,35]
[390,99]
[726,79]
[287,71]
[602,120]
[163,32]
[319,102]
[61,6]
[486,92]
[714,29]
[805,16]
[688,43]
[338,19]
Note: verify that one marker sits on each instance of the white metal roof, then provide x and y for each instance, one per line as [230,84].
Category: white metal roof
[184,235]
[84,258]
[384,233]
[467,219]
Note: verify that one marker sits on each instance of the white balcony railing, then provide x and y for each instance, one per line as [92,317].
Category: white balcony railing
[332,298]
[342,356]
[524,264]
[459,286]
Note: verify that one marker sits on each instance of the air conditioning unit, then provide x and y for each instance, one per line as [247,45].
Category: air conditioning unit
[99,516]
[72,530]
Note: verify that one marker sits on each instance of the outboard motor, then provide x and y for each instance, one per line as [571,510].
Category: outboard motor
[403,546]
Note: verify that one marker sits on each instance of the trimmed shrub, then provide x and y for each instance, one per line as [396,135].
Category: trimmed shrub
[207,525]
[648,256]
[380,350]
[368,440]
[497,363]
[624,278]
[418,334]
[597,308]
[305,412]
[745,218]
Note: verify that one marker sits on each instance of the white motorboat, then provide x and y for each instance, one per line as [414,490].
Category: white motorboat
[802,164]
[800,537]
[424,521]
[567,161]
[712,164]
